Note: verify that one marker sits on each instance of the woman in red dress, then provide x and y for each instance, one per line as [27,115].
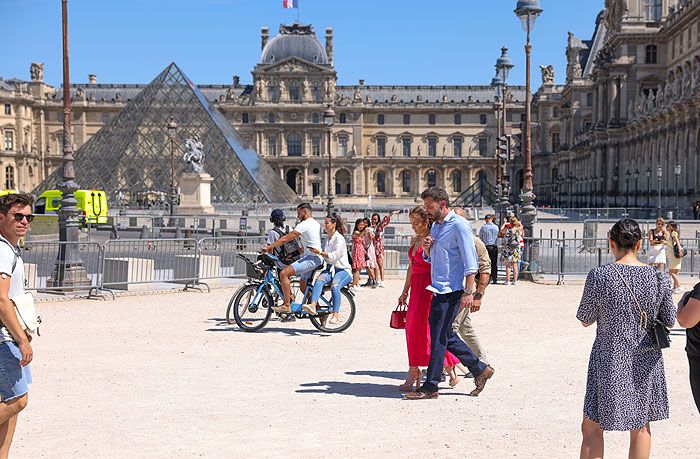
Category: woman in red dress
[417,326]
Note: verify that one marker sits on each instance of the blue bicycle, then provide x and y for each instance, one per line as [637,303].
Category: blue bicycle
[251,306]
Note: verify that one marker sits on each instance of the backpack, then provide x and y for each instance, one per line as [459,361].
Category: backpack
[290,251]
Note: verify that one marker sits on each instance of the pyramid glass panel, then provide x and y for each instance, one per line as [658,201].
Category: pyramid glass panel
[132,153]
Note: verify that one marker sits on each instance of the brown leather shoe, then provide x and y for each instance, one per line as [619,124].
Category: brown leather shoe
[418,395]
[480,381]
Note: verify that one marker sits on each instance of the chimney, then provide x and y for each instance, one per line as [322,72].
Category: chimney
[264,35]
[329,44]
[92,78]
[362,82]
[236,81]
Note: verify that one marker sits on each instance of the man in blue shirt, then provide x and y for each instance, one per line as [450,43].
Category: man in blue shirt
[489,234]
[450,251]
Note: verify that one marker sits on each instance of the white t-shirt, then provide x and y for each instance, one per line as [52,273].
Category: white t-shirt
[310,231]
[337,251]
[7,258]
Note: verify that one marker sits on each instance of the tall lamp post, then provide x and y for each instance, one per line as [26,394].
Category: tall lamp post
[69,270]
[636,186]
[172,131]
[627,188]
[659,175]
[648,174]
[329,121]
[528,11]
[677,171]
[504,64]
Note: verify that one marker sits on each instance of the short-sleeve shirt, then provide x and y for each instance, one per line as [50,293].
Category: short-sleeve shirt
[8,253]
[692,346]
[310,231]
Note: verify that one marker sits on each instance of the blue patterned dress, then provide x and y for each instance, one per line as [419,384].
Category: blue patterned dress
[626,385]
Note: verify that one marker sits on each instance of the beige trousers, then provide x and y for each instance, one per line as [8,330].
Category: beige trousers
[463,327]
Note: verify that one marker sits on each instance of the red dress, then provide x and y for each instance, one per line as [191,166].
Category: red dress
[417,326]
[358,252]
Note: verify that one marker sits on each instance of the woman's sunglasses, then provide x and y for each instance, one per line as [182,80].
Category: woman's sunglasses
[19,217]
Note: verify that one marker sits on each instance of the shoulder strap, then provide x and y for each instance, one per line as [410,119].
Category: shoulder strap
[278,231]
[14,251]
[643,318]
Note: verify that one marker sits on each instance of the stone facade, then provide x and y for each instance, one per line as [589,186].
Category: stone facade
[631,114]
[388,141]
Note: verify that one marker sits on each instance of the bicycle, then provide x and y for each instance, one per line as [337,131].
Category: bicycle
[251,306]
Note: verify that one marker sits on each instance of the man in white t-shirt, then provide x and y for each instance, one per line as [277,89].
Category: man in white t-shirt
[309,230]
[15,350]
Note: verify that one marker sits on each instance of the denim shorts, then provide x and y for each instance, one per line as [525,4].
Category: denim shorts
[14,378]
[304,265]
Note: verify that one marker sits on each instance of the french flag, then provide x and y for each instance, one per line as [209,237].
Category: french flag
[290,3]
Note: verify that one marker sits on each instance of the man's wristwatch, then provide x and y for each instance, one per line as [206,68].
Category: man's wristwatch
[478,296]
[468,292]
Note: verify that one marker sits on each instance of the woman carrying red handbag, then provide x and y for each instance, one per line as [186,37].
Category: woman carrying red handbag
[417,325]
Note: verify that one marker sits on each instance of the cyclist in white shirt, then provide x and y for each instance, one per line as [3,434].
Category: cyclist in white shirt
[309,230]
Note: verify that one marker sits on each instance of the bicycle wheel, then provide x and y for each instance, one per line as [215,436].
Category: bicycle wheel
[324,321]
[251,311]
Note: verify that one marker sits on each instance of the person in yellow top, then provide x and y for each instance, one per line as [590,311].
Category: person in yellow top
[672,261]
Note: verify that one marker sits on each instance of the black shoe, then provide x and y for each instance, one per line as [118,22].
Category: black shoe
[367,284]
[374,284]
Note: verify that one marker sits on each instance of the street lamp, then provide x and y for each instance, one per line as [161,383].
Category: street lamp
[636,186]
[329,121]
[504,64]
[69,270]
[528,11]
[659,175]
[172,131]
[648,174]
[677,171]
[627,188]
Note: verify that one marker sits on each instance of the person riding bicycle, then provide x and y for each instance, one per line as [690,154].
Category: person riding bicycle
[309,230]
[338,273]
[277,219]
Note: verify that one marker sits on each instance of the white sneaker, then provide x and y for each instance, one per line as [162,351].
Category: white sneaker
[677,290]
[356,288]
[507,282]
[381,284]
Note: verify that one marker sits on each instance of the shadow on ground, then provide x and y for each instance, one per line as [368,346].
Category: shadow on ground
[365,390]
[223,326]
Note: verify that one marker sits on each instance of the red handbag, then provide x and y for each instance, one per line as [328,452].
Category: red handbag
[398,317]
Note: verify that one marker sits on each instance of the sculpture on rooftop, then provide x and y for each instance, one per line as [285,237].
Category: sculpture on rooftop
[36,71]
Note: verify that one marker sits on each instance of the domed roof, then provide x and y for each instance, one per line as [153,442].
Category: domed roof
[295,40]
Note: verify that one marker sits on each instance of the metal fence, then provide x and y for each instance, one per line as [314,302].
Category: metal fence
[190,263]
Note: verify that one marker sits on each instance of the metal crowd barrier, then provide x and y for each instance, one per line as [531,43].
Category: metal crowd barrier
[128,264]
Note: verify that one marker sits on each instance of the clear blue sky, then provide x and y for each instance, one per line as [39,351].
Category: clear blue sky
[381,41]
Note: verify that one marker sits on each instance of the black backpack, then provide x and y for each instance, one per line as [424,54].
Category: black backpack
[290,251]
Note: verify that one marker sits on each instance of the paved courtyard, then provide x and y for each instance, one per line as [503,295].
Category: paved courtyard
[164,375]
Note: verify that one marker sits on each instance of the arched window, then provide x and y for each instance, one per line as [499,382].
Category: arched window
[273,91]
[431,178]
[316,91]
[457,181]
[381,182]
[294,91]
[9,178]
[294,144]
[406,181]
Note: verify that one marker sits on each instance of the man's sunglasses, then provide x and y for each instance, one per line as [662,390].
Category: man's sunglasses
[19,217]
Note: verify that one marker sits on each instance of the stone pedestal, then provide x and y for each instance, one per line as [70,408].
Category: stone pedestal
[195,194]
[121,273]
[391,259]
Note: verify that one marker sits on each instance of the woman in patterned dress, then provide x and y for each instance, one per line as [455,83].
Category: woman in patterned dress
[359,251]
[626,385]
[378,225]
[657,245]
[672,261]
[371,256]
[512,248]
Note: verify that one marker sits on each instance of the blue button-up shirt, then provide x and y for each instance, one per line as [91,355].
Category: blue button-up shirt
[453,254]
[489,234]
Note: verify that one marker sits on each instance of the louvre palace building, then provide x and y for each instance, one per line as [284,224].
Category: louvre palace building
[626,113]
[388,142]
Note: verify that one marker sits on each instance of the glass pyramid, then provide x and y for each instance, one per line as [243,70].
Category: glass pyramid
[133,152]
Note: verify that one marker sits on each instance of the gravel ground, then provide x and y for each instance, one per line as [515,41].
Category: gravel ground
[164,375]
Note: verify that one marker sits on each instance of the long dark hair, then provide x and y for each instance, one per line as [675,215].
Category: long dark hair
[357,223]
[626,233]
[339,223]
[379,219]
